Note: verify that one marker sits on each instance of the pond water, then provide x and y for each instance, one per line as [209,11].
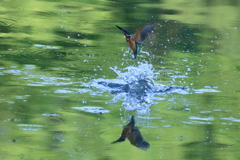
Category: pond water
[69,82]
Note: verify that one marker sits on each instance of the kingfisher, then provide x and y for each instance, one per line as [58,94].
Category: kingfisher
[138,37]
[133,135]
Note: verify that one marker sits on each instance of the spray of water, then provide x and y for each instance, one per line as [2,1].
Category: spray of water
[135,87]
[139,79]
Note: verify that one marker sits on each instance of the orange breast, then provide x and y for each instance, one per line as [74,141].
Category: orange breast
[131,43]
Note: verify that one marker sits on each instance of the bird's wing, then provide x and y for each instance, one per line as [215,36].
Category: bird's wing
[142,33]
[121,139]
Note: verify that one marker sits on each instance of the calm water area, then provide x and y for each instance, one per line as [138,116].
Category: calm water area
[69,83]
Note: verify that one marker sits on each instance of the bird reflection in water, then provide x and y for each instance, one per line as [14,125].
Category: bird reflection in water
[133,135]
[138,37]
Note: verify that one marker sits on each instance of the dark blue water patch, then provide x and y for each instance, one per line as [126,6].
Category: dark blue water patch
[144,87]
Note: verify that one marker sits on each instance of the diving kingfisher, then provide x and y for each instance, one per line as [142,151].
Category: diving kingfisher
[138,37]
[133,135]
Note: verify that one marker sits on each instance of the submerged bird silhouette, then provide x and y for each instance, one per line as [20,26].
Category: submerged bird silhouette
[133,135]
[138,37]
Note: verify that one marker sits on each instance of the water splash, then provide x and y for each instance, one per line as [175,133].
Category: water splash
[138,88]
[139,79]
[140,83]
[135,88]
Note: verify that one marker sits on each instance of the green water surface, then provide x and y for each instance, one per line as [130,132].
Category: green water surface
[49,49]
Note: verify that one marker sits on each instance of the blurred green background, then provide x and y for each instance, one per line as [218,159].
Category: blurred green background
[50,49]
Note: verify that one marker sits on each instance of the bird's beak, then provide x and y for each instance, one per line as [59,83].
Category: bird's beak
[119,27]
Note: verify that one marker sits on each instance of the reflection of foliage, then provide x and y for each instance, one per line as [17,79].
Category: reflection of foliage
[70,42]
[216,19]
[177,36]
[185,38]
